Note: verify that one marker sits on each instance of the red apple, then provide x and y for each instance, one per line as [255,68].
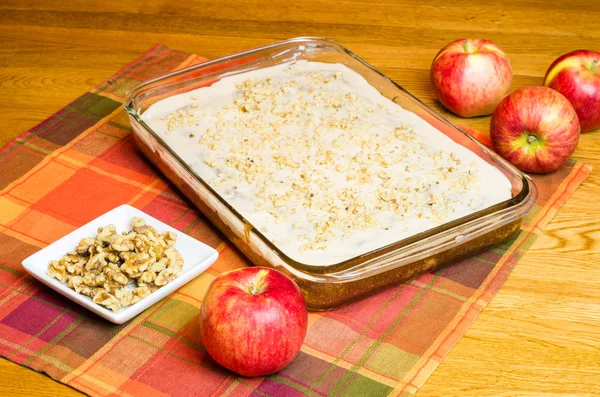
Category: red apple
[470,76]
[535,129]
[253,320]
[576,75]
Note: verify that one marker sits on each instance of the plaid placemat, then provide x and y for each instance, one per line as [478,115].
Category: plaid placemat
[82,162]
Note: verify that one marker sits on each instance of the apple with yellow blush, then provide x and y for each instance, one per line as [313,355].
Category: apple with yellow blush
[576,75]
[470,76]
[253,321]
[535,129]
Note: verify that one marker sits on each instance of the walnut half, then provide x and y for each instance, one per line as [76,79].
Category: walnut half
[106,299]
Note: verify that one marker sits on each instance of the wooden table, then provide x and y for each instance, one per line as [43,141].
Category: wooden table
[541,334]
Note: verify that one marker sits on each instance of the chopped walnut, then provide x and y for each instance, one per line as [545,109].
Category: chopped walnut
[174,258]
[140,293]
[141,243]
[151,286]
[103,268]
[107,234]
[170,238]
[84,246]
[71,257]
[126,255]
[136,265]
[166,276]
[57,271]
[124,296]
[156,251]
[106,299]
[92,279]
[76,268]
[115,275]
[147,277]
[157,266]
[122,244]
[96,262]
[112,257]
[138,225]
[76,283]
[90,291]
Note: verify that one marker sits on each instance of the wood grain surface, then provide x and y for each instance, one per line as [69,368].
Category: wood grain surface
[540,336]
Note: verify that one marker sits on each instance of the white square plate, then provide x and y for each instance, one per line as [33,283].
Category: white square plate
[196,255]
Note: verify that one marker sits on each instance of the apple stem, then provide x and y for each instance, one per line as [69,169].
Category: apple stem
[258,285]
[594,67]
[531,138]
[466,46]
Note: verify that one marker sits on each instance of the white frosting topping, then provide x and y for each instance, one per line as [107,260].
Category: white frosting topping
[320,162]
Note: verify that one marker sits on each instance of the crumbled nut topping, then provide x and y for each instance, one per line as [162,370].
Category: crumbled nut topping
[104,267]
[323,159]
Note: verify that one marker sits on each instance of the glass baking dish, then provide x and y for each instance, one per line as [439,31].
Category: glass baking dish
[326,287]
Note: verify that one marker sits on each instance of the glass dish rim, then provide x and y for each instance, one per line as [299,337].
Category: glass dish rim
[522,201]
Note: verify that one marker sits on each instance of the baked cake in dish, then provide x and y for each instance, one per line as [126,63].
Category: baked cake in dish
[321,163]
